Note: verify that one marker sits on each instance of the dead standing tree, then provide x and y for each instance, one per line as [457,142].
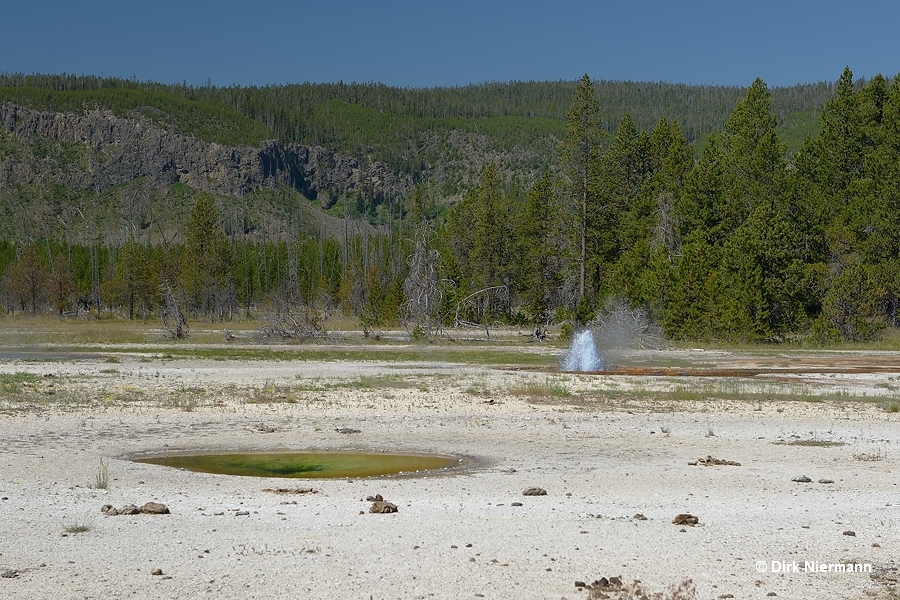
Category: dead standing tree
[290,321]
[422,289]
[173,318]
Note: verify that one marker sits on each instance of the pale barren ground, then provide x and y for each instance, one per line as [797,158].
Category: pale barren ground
[604,447]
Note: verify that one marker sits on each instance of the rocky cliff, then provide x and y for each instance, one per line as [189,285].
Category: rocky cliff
[107,150]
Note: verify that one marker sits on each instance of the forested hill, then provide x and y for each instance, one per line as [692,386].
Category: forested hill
[439,134]
[724,213]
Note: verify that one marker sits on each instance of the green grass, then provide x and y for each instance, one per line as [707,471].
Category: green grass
[814,443]
[77,528]
[101,478]
[540,389]
[431,354]
[14,383]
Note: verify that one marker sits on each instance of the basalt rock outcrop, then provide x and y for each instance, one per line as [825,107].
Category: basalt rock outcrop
[111,150]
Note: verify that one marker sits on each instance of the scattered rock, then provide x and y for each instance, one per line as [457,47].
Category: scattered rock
[265,429]
[128,509]
[685,519]
[639,517]
[375,498]
[509,471]
[156,572]
[242,513]
[534,491]
[291,490]
[347,430]
[382,507]
[515,504]
[801,479]
[850,533]
[692,463]
[826,481]
[615,588]
[724,596]
[876,545]
[709,461]
[771,594]
[154,508]
[9,574]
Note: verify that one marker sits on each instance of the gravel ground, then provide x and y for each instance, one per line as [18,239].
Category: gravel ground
[602,459]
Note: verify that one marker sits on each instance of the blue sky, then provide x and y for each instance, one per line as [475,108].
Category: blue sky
[430,43]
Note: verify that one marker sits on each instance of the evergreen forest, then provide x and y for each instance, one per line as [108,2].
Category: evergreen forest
[727,214]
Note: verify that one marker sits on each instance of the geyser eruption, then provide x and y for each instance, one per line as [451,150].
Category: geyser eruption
[582,354]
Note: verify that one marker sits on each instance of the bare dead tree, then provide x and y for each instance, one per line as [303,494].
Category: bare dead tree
[173,318]
[620,326]
[292,322]
[422,288]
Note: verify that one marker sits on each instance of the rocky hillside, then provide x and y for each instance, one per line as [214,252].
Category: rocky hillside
[91,157]
[118,150]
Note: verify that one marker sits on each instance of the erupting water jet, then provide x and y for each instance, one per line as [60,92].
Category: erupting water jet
[583,354]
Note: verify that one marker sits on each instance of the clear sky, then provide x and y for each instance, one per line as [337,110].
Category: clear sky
[429,43]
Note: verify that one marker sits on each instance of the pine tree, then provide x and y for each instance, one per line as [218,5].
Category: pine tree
[135,282]
[29,279]
[207,274]
[581,153]
[540,237]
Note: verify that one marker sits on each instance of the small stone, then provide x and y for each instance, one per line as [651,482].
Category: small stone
[382,507]
[876,545]
[9,574]
[580,584]
[154,508]
[724,596]
[685,519]
[850,533]
[242,513]
[156,572]
[129,509]
[639,517]
[515,504]
[347,430]
[801,479]
[534,491]
[771,594]
[826,481]
[375,498]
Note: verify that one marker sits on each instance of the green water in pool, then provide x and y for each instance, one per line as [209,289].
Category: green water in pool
[312,465]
